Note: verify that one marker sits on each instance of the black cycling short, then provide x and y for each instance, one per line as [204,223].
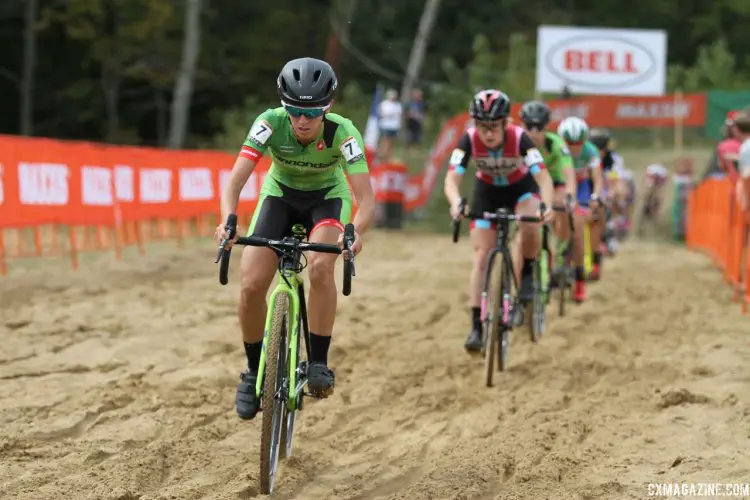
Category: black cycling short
[558,184]
[281,207]
[489,198]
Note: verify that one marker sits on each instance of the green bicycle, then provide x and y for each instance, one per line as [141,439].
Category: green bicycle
[282,374]
[562,276]
[541,296]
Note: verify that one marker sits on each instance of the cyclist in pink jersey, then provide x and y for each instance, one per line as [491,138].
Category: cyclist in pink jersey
[510,173]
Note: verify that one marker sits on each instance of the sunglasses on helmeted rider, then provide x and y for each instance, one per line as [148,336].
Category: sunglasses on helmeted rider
[296,112]
[489,126]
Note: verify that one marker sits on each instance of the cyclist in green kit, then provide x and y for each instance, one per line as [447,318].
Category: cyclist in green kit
[536,116]
[314,152]
[587,162]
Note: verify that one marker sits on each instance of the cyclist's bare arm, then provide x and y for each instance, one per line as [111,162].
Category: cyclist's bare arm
[596,172]
[546,187]
[230,198]
[571,186]
[451,187]
[362,189]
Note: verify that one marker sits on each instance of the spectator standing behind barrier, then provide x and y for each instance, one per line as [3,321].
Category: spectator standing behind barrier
[389,122]
[742,123]
[415,113]
[729,148]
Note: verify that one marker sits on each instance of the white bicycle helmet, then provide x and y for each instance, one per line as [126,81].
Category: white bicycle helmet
[657,170]
[573,129]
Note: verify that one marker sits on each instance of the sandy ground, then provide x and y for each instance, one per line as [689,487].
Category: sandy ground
[118,382]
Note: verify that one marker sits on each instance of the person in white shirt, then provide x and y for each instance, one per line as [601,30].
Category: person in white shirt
[743,162]
[389,122]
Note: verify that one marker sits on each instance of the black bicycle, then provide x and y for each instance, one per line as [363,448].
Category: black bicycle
[282,374]
[500,305]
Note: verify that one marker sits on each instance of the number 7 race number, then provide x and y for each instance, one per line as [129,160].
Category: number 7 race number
[351,150]
[260,132]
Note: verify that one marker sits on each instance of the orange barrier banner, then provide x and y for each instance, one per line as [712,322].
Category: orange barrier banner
[717,226]
[629,112]
[75,183]
[389,182]
[45,182]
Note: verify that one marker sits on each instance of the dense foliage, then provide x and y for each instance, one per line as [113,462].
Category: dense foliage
[105,69]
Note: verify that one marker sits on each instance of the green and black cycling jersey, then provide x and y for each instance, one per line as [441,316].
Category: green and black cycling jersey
[305,183]
[557,157]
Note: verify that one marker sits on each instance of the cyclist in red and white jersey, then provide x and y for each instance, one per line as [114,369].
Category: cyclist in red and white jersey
[510,174]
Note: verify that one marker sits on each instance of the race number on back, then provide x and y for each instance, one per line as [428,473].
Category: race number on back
[260,132]
[351,150]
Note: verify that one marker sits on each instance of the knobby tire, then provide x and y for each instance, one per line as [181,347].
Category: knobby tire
[490,324]
[287,429]
[273,410]
[541,296]
[502,334]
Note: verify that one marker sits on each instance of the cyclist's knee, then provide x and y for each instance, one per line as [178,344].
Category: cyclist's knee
[579,220]
[480,256]
[530,229]
[253,287]
[320,269]
[258,268]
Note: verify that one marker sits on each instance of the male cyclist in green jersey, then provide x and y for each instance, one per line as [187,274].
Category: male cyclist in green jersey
[313,152]
[575,133]
[535,116]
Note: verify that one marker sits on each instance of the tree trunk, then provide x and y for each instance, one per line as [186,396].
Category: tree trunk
[429,14]
[184,84]
[29,65]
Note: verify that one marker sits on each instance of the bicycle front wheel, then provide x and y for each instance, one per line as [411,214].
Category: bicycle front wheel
[508,308]
[491,319]
[290,415]
[273,402]
[562,280]
[539,300]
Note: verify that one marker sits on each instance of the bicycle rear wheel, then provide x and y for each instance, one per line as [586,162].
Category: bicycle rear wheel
[273,404]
